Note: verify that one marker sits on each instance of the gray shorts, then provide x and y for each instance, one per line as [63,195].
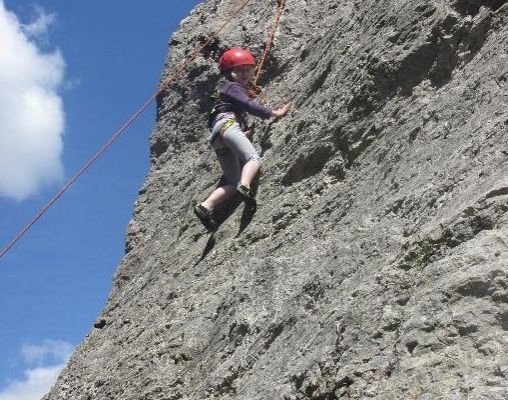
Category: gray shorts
[233,150]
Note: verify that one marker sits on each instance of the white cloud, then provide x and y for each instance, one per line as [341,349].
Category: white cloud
[38,381]
[49,349]
[39,27]
[31,110]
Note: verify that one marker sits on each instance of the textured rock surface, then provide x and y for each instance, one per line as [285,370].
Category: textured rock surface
[376,265]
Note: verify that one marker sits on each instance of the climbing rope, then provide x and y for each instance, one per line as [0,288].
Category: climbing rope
[229,18]
[268,47]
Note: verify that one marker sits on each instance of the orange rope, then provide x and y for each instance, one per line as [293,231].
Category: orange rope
[268,47]
[98,153]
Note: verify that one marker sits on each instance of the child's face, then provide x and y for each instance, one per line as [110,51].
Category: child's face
[242,74]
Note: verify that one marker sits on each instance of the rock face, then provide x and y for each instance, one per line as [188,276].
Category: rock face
[376,264]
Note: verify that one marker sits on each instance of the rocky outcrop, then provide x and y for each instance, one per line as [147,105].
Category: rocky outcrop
[376,264]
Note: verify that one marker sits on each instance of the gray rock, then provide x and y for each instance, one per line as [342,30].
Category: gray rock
[376,264]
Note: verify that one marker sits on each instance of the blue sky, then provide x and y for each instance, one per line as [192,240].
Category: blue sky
[84,67]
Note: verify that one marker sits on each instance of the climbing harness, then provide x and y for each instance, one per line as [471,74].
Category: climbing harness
[213,111]
[226,126]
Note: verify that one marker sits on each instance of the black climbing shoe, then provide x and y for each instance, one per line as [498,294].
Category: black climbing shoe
[205,217]
[247,196]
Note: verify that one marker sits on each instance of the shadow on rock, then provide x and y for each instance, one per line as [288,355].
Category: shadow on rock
[210,244]
[224,211]
[247,216]
[220,215]
[249,210]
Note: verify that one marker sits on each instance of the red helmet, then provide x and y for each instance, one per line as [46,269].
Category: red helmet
[234,58]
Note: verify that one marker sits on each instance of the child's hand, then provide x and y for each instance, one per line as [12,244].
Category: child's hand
[282,111]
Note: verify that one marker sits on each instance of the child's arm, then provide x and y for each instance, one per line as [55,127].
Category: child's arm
[281,111]
[237,93]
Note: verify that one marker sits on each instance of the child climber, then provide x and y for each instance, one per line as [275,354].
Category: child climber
[229,133]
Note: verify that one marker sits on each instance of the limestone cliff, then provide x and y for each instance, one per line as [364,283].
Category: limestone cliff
[376,264]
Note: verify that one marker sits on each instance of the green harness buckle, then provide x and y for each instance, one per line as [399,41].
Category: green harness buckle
[226,126]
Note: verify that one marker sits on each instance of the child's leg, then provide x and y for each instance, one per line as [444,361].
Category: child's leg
[231,168]
[249,172]
[218,196]
[241,146]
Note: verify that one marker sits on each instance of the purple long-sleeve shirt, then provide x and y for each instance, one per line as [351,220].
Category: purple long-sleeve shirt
[234,98]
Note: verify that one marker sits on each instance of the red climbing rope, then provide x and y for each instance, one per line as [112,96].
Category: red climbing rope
[268,47]
[236,10]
